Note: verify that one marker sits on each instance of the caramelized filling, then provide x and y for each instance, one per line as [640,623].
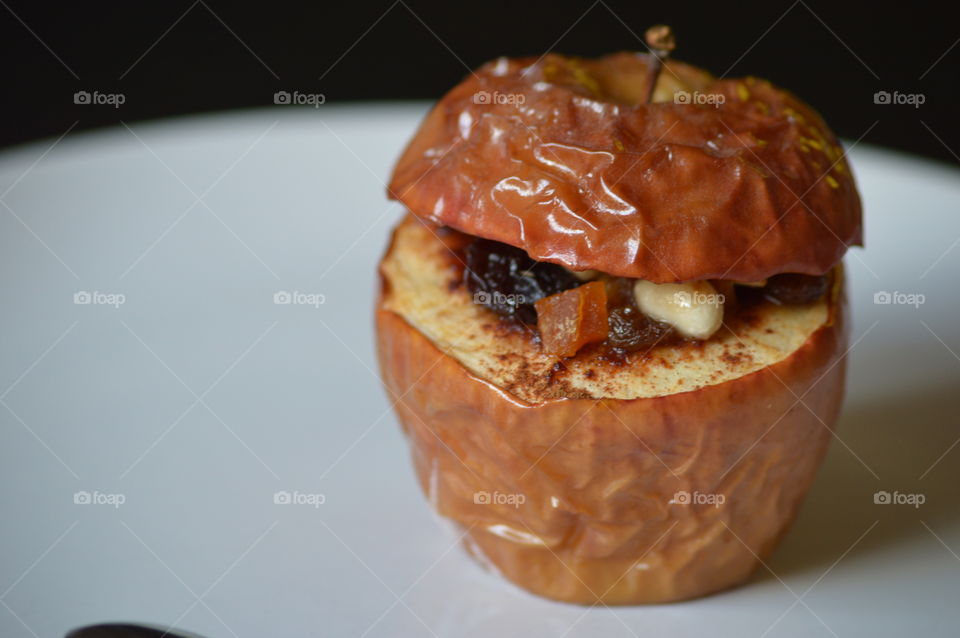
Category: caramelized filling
[505,279]
[567,313]
[629,329]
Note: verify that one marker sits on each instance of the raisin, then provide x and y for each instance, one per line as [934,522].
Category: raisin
[793,288]
[506,280]
[629,329]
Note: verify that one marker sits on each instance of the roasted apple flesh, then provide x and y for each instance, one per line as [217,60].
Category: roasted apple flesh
[660,476]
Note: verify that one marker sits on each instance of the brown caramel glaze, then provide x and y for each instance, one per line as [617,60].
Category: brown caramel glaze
[561,157]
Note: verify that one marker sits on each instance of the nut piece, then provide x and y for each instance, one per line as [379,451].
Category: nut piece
[695,309]
[584,275]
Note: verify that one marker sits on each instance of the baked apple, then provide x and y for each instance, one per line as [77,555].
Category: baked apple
[613,325]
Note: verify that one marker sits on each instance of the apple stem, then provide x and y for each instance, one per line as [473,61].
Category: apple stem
[661,41]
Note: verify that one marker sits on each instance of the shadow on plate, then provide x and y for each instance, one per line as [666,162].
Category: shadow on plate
[891,445]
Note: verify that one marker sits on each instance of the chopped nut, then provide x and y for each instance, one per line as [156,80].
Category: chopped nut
[695,309]
[585,275]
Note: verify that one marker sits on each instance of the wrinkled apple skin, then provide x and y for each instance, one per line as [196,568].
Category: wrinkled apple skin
[599,479]
[581,171]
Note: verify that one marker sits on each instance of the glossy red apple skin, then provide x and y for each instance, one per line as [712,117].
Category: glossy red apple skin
[579,169]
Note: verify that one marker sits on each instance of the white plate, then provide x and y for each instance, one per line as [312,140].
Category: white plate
[198,398]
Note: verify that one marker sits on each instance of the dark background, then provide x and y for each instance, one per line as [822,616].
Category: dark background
[186,56]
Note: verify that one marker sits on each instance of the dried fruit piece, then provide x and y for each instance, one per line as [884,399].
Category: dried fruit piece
[793,288]
[573,318]
[505,279]
[629,329]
